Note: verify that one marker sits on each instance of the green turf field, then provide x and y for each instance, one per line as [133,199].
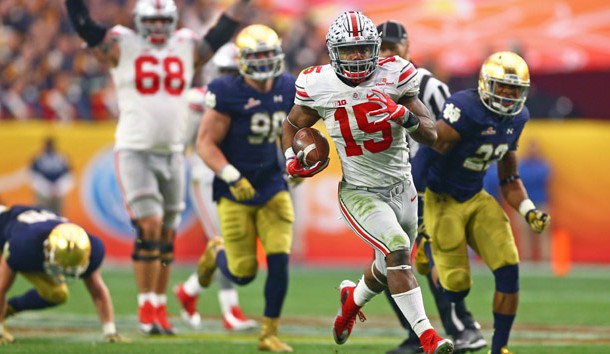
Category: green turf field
[556,315]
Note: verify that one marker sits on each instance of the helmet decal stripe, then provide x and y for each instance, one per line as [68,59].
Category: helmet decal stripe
[352,28]
[353,20]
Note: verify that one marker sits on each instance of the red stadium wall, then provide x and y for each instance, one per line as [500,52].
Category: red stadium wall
[580,190]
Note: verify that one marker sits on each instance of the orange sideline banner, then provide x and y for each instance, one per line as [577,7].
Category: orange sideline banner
[577,151]
[95,202]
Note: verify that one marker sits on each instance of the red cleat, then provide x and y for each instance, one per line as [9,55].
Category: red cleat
[146,316]
[161,317]
[188,304]
[344,322]
[432,343]
[237,321]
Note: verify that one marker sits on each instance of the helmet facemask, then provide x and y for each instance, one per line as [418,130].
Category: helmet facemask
[66,252]
[156,20]
[260,54]
[353,46]
[504,83]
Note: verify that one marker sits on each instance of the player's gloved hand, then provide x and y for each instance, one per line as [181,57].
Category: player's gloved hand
[391,110]
[538,220]
[5,336]
[295,167]
[116,338]
[239,186]
[242,189]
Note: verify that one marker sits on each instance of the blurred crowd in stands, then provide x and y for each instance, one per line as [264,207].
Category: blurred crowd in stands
[45,73]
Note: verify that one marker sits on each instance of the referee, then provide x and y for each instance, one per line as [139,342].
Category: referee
[457,320]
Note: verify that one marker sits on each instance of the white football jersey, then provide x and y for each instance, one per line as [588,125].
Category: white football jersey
[372,155]
[151,84]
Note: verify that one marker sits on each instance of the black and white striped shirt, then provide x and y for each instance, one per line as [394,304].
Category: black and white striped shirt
[433,93]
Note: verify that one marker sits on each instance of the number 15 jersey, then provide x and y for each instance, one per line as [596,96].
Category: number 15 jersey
[372,155]
[151,83]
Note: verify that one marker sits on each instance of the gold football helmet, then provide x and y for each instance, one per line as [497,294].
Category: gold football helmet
[67,250]
[504,83]
[260,52]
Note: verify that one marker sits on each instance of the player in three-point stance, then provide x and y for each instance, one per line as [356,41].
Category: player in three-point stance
[48,251]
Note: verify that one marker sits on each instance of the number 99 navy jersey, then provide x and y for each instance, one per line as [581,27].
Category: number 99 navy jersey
[251,141]
[485,137]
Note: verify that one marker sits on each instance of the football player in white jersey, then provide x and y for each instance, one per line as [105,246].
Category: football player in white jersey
[200,194]
[152,68]
[367,104]
[457,320]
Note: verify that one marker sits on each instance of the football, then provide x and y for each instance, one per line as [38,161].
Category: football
[313,144]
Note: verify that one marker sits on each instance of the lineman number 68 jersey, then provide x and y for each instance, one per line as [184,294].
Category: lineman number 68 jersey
[151,84]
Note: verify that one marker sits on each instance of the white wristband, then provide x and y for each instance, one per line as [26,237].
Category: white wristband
[229,174]
[525,206]
[109,328]
[289,154]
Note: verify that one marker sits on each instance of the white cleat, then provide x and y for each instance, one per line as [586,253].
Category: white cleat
[233,323]
[193,320]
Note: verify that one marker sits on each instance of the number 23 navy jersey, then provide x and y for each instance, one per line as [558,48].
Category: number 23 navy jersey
[485,137]
[251,141]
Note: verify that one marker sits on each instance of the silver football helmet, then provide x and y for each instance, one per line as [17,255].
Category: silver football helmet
[353,45]
[504,83]
[260,52]
[163,11]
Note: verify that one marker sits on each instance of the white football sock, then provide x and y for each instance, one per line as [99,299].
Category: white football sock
[227,298]
[161,299]
[411,304]
[191,285]
[362,293]
[144,297]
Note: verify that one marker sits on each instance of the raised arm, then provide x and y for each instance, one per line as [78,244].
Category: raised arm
[95,35]
[222,31]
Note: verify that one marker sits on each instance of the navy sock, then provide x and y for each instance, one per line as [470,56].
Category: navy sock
[29,301]
[502,326]
[223,265]
[276,285]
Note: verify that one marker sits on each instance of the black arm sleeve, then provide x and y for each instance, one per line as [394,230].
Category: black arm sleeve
[221,33]
[86,28]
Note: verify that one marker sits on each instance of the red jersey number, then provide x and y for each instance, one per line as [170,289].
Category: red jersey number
[148,82]
[360,110]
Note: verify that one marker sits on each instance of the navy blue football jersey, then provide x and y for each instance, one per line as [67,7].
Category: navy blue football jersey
[23,230]
[485,137]
[256,123]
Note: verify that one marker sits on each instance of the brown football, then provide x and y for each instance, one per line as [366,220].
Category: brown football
[313,144]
